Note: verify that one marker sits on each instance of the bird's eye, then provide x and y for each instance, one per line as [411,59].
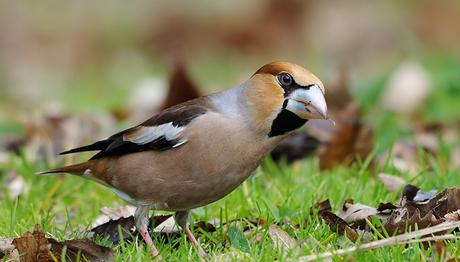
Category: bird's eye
[285,79]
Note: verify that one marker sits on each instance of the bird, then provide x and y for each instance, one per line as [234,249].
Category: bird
[197,152]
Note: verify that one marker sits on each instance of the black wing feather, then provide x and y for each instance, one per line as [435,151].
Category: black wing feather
[97,146]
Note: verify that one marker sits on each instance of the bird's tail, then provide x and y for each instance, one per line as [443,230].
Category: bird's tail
[77,169]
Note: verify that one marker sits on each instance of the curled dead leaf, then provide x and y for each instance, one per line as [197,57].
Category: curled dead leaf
[355,214]
[321,206]
[338,225]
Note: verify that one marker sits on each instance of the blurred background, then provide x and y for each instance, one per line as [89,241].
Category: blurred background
[112,63]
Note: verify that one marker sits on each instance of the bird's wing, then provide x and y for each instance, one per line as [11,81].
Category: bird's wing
[161,132]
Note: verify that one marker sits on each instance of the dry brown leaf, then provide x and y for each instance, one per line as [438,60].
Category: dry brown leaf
[422,209]
[321,206]
[348,141]
[416,236]
[111,230]
[181,87]
[338,225]
[76,250]
[392,183]
[280,238]
[35,246]
[401,221]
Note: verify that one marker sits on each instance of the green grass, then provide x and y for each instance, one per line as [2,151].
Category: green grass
[65,206]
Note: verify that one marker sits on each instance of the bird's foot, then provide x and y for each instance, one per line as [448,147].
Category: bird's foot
[148,240]
[195,242]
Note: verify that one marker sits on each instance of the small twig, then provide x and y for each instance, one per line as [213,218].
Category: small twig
[396,240]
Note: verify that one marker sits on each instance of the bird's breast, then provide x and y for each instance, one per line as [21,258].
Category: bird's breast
[219,155]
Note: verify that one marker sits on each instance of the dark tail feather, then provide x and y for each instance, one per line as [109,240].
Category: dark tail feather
[100,145]
[77,169]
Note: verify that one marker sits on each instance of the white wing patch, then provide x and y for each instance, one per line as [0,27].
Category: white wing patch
[147,134]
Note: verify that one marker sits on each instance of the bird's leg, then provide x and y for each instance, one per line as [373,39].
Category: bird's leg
[141,218]
[182,218]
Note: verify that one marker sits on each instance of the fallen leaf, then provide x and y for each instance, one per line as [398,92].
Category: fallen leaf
[111,230]
[167,226]
[280,238]
[110,213]
[422,209]
[338,225]
[402,221]
[82,250]
[416,236]
[383,207]
[392,183]
[163,225]
[321,206]
[35,246]
[349,141]
[356,213]
[181,86]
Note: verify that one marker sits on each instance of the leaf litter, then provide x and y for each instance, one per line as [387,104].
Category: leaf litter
[416,211]
[35,246]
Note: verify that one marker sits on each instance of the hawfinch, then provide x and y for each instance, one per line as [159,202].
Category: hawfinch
[197,152]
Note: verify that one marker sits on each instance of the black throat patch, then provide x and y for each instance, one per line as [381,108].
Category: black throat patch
[284,122]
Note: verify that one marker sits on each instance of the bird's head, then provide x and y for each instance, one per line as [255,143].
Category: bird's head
[283,96]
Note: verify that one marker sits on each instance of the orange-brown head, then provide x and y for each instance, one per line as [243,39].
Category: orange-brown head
[283,96]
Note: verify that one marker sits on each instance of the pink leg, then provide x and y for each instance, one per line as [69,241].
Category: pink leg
[182,219]
[141,217]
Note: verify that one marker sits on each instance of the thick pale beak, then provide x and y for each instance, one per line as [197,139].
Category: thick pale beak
[308,103]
